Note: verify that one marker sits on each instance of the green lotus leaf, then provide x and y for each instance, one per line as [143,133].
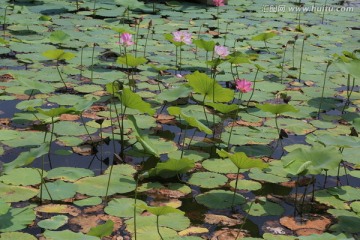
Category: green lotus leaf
[264,36]
[160,211]
[172,167]
[173,94]
[94,186]
[132,100]
[346,193]
[206,45]
[263,208]
[33,84]
[16,219]
[68,128]
[58,36]
[22,176]
[227,166]
[219,199]
[58,190]
[324,236]
[223,108]
[55,112]
[143,139]
[259,175]
[146,226]
[339,141]
[130,60]
[242,161]
[4,207]
[349,67]
[248,185]
[67,234]
[57,54]
[102,230]
[207,179]
[70,174]
[192,121]
[203,84]
[54,222]
[16,235]
[356,124]
[324,197]
[123,207]
[26,158]
[311,161]
[276,108]
[91,201]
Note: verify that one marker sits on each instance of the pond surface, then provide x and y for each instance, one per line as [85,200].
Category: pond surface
[92,122]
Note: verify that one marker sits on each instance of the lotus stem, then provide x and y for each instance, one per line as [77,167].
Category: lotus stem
[236,116]
[253,89]
[267,48]
[92,63]
[323,87]
[57,67]
[323,15]
[81,61]
[282,64]
[157,227]
[86,129]
[349,91]
[137,27]
[43,183]
[192,136]
[203,102]
[183,144]
[296,194]
[226,31]
[94,10]
[301,56]
[135,201]
[236,183]
[147,36]
[245,219]
[51,135]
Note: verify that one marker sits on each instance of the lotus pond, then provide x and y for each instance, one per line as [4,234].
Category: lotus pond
[124,119]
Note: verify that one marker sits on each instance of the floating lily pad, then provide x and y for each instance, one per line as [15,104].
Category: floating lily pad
[265,208]
[54,222]
[123,207]
[58,190]
[246,185]
[16,235]
[207,179]
[71,129]
[69,173]
[219,199]
[16,219]
[22,176]
[94,186]
[16,193]
[67,234]
[227,166]
[91,201]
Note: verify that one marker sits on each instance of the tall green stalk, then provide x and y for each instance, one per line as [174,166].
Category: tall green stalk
[62,79]
[253,87]
[349,91]
[236,183]
[301,56]
[147,36]
[323,87]
[158,228]
[236,116]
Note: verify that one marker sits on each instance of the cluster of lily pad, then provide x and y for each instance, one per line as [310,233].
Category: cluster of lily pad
[211,120]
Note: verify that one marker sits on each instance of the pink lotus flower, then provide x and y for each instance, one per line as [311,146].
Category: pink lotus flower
[125,40]
[243,85]
[182,36]
[222,51]
[218,3]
